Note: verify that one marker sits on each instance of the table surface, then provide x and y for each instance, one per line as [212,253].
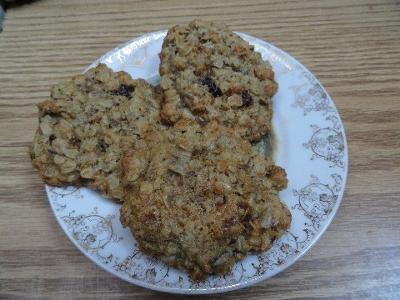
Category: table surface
[352,46]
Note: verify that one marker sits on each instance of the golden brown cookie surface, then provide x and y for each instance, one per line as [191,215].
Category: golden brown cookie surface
[200,198]
[86,125]
[209,73]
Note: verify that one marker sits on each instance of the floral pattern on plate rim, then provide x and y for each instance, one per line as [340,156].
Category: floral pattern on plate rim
[92,223]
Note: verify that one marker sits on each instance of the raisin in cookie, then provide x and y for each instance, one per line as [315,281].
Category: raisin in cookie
[208,72]
[200,198]
[87,124]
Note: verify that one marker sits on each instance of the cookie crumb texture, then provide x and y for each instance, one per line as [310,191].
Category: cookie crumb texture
[87,124]
[201,198]
[210,73]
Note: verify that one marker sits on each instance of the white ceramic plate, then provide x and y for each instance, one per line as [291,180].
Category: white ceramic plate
[311,146]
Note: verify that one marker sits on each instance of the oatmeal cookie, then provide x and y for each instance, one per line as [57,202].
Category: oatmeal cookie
[201,198]
[87,124]
[210,73]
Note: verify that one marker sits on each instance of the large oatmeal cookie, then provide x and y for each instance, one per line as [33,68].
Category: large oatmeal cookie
[200,198]
[208,72]
[87,124]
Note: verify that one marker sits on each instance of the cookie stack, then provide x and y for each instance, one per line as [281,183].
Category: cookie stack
[181,158]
